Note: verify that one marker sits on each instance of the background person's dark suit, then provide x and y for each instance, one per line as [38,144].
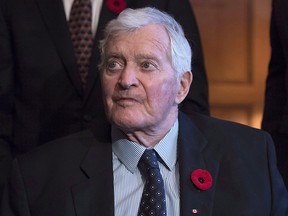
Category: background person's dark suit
[40,91]
[73,175]
[275,118]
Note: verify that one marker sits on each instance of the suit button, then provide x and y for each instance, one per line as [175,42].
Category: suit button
[87,117]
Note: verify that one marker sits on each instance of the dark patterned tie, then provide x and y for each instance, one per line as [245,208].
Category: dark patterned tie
[80,22]
[153,201]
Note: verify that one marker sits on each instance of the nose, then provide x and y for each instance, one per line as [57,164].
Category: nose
[128,77]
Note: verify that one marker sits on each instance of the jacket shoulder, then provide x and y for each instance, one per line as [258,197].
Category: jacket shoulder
[212,125]
[59,151]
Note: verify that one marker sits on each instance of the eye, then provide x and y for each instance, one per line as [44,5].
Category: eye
[146,65]
[114,64]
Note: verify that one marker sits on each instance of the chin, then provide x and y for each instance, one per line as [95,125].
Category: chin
[127,123]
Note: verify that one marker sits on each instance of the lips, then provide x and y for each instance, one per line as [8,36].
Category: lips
[126,100]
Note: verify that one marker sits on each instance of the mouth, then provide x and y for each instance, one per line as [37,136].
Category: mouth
[126,101]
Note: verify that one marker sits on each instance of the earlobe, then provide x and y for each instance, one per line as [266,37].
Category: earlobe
[185,83]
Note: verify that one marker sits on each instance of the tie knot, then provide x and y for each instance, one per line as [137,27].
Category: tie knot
[148,161]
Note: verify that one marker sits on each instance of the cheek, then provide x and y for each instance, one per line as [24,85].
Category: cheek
[163,94]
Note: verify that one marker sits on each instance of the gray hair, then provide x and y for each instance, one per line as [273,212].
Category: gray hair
[132,19]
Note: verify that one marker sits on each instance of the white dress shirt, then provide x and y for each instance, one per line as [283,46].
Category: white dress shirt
[128,183]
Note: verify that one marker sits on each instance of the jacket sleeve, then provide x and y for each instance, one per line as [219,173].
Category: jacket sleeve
[14,200]
[279,201]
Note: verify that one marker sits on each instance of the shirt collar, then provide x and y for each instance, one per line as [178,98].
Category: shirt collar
[129,153]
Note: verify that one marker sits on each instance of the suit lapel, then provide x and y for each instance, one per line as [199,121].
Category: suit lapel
[95,196]
[54,17]
[191,149]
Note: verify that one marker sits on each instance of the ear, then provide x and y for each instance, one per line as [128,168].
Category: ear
[185,83]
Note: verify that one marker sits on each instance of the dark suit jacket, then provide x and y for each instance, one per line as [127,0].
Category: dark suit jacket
[275,118]
[73,175]
[40,91]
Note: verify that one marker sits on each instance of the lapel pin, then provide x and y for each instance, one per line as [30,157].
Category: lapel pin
[194,211]
[202,179]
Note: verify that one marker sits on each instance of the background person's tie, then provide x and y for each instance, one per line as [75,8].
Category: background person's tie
[80,22]
[153,201]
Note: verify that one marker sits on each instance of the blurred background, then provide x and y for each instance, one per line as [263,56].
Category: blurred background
[235,41]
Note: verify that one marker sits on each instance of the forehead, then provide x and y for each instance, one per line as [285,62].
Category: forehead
[151,37]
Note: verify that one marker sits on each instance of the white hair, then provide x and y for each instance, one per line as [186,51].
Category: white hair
[132,19]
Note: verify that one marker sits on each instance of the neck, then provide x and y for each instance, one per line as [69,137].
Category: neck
[149,137]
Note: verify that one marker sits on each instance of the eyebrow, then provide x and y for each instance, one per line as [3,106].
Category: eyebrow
[147,56]
[119,55]
[114,55]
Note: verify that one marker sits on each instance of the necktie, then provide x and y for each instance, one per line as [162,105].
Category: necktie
[153,198]
[81,34]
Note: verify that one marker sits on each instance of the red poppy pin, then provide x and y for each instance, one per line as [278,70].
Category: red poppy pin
[202,179]
[116,6]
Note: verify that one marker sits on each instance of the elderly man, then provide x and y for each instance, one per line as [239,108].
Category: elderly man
[154,160]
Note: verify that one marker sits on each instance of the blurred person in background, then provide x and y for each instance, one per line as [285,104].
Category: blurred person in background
[275,117]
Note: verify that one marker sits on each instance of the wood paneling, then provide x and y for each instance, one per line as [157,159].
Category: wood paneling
[235,40]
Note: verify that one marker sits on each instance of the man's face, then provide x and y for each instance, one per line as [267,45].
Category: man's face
[139,84]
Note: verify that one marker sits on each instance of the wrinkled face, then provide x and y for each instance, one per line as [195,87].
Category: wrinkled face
[140,88]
